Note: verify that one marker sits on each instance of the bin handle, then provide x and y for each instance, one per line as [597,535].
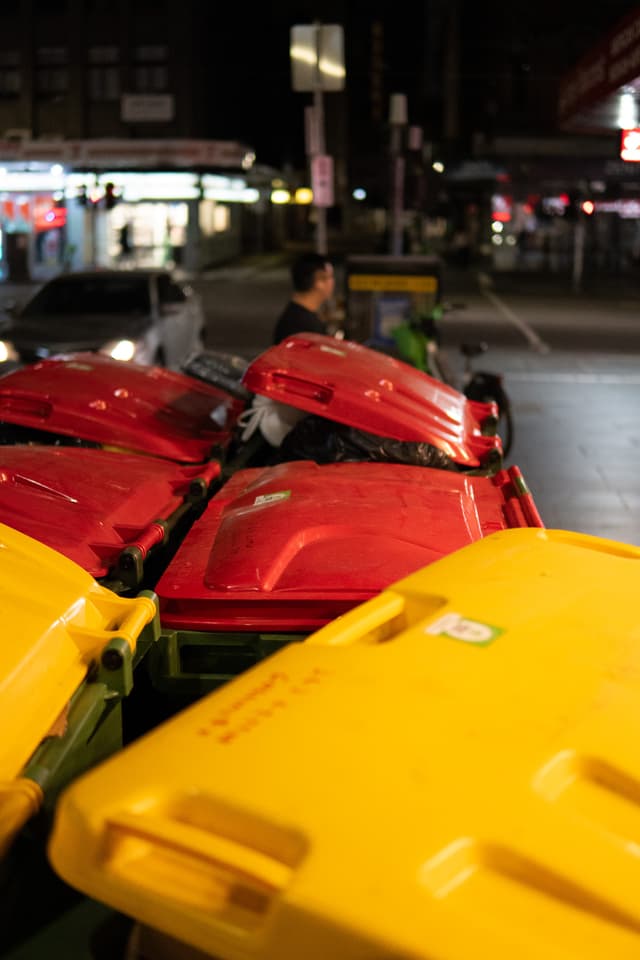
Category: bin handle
[157,836]
[138,612]
[523,494]
[27,402]
[376,621]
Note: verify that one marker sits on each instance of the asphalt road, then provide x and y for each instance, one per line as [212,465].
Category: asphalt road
[571,365]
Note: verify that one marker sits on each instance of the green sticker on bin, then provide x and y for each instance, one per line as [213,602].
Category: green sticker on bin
[266,498]
[457,627]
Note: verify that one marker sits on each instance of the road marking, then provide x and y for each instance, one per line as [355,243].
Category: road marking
[609,379]
[536,342]
[484,282]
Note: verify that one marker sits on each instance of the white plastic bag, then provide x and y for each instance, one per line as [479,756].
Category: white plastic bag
[273,419]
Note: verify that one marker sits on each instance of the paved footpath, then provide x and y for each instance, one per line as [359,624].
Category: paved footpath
[574,381]
[571,365]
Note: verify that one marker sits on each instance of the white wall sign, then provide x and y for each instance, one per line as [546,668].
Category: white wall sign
[147,108]
[322,180]
[317,57]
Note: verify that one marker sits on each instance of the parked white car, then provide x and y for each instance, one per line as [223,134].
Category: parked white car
[145,316]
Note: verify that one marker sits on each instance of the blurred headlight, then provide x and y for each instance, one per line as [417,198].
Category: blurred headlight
[8,351]
[120,349]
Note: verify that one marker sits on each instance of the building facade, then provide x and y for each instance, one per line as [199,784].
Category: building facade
[104,149]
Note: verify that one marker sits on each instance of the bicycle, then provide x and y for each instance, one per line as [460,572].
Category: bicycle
[418,342]
[486,386]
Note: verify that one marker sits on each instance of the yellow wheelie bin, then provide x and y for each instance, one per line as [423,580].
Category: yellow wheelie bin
[447,771]
[66,660]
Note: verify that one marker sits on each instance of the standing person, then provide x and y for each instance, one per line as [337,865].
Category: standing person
[124,239]
[313,284]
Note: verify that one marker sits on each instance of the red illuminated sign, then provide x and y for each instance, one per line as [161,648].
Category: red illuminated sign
[501,205]
[46,215]
[603,71]
[630,145]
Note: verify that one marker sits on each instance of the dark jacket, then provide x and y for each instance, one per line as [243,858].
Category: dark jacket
[296,319]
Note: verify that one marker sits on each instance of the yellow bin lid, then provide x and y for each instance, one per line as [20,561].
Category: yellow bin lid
[450,770]
[56,620]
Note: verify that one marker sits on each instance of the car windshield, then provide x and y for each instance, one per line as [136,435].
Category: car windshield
[100,295]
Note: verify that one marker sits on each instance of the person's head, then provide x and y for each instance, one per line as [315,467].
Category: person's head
[313,279]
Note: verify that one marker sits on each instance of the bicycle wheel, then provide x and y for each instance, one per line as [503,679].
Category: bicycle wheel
[505,424]
[488,388]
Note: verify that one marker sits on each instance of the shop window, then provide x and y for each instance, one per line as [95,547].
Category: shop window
[221,218]
[104,83]
[150,73]
[205,218]
[51,82]
[52,78]
[214,218]
[103,74]
[151,79]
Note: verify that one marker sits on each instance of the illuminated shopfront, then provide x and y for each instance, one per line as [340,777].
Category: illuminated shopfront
[154,219]
[56,216]
[32,220]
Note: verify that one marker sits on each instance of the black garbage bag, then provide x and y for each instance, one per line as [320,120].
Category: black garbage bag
[325,441]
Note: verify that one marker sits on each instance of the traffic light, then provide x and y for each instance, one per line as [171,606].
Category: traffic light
[110,198]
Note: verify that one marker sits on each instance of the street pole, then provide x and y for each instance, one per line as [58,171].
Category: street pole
[93,226]
[397,119]
[416,187]
[578,254]
[317,61]
[321,211]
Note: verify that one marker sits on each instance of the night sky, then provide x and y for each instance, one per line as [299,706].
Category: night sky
[523,48]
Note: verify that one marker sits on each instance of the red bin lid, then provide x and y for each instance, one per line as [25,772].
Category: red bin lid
[90,505]
[352,384]
[293,546]
[133,407]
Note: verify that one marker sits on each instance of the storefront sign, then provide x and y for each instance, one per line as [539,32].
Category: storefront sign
[147,108]
[604,70]
[630,145]
[117,154]
[322,180]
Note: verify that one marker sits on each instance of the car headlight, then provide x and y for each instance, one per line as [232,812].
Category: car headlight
[120,349]
[8,351]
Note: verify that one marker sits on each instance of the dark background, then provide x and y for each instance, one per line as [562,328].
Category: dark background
[498,69]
